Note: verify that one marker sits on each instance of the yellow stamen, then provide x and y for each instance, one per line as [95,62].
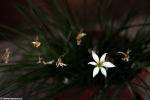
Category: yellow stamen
[99,64]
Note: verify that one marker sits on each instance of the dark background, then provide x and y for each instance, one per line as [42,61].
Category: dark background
[11,17]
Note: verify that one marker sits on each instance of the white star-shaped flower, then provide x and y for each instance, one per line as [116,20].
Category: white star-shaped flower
[6,56]
[80,35]
[126,55]
[60,63]
[100,64]
[36,44]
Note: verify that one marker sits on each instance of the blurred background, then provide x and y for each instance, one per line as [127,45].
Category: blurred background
[11,17]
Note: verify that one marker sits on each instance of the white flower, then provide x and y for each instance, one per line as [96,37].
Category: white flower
[126,55]
[66,80]
[60,63]
[43,62]
[6,56]
[100,64]
[80,35]
[36,44]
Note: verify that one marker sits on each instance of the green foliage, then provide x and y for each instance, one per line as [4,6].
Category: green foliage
[57,31]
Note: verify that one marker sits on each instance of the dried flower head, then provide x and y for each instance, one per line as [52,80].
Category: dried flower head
[100,64]
[80,35]
[59,62]
[126,55]
[6,56]
[43,62]
[36,44]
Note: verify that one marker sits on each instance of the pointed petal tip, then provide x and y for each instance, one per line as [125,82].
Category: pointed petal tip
[114,66]
[93,76]
[106,53]
[95,56]
[103,71]
[108,64]
[102,59]
[95,71]
[93,52]
[92,63]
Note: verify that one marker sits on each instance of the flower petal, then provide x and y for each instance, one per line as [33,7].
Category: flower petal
[82,34]
[7,49]
[121,52]
[38,43]
[92,63]
[127,59]
[57,64]
[95,71]
[103,71]
[128,51]
[40,58]
[33,42]
[62,64]
[95,57]
[108,64]
[78,41]
[50,62]
[102,59]
[38,62]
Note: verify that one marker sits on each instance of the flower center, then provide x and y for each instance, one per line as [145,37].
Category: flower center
[99,64]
